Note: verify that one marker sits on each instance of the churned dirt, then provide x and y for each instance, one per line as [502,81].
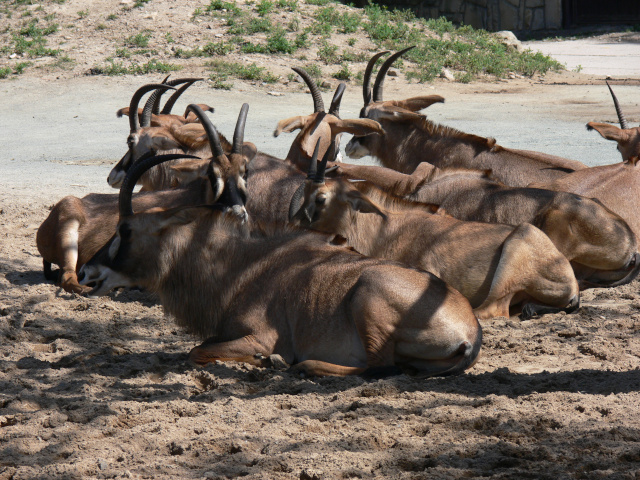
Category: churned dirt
[100,388]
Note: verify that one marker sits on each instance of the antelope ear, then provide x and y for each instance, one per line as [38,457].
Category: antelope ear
[360,203]
[416,104]
[608,131]
[249,150]
[290,124]
[357,126]
[191,117]
[123,112]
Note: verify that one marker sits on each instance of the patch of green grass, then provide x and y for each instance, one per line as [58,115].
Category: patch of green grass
[152,66]
[101,26]
[219,5]
[344,73]
[123,52]
[244,25]
[209,50]
[277,42]
[223,70]
[168,38]
[328,53]
[140,40]
[349,22]
[319,3]
[112,16]
[5,72]
[290,5]
[265,7]
[30,40]
[140,3]
[83,13]
[314,71]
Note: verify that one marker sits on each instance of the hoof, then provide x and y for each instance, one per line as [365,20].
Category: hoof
[529,311]
[277,362]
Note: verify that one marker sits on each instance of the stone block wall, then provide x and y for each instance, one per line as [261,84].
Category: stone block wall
[492,15]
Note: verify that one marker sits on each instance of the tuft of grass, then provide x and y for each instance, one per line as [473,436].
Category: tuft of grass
[223,70]
[209,50]
[5,72]
[140,40]
[328,53]
[314,71]
[140,3]
[344,73]
[265,7]
[290,5]
[83,13]
[112,16]
[118,68]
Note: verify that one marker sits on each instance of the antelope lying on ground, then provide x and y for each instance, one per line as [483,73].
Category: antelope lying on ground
[408,139]
[496,267]
[271,181]
[76,228]
[257,292]
[617,185]
[599,244]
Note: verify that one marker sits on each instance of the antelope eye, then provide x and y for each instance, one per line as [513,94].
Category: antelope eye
[321,199]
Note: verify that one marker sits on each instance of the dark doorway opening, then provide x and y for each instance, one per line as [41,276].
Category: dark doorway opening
[578,13]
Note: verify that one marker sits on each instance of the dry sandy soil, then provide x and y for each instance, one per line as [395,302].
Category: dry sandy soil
[100,388]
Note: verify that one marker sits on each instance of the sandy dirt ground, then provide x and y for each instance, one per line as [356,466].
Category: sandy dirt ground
[101,388]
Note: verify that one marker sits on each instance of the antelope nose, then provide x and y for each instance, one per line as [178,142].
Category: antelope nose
[633,261]
[240,212]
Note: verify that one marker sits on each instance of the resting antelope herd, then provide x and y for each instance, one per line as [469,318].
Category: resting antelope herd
[336,268]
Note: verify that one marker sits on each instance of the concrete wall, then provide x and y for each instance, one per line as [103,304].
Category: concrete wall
[493,15]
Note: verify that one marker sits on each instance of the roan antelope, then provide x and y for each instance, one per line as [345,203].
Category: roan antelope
[498,268]
[76,228]
[616,185]
[408,139]
[599,244]
[255,292]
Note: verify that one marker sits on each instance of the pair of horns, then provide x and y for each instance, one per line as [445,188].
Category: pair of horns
[149,160]
[318,104]
[315,173]
[621,119]
[152,106]
[378,84]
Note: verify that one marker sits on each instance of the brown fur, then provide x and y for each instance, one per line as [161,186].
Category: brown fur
[410,139]
[325,308]
[493,266]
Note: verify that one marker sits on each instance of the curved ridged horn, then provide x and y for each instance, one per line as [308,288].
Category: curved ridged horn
[318,104]
[176,95]
[313,164]
[377,86]
[156,104]
[330,153]
[366,80]
[134,174]
[134,124]
[145,118]
[623,121]
[212,133]
[238,134]
[334,109]
[298,195]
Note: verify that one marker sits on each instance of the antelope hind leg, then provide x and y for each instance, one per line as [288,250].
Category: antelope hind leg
[245,349]
[318,368]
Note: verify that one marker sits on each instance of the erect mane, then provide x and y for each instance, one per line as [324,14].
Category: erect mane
[441,173]
[384,199]
[444,132]
[193,136]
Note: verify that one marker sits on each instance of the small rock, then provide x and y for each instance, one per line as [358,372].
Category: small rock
[102,464]
[446,74]
[13,55]
[219,35]
[311,475]
[55,420]
[509,38]
[277,362]
[275,94]
[325,84]
[392,73]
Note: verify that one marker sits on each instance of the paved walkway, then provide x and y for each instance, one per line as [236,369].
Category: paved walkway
[615,55]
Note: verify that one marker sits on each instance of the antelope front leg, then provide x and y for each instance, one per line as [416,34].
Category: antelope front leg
[245,349]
